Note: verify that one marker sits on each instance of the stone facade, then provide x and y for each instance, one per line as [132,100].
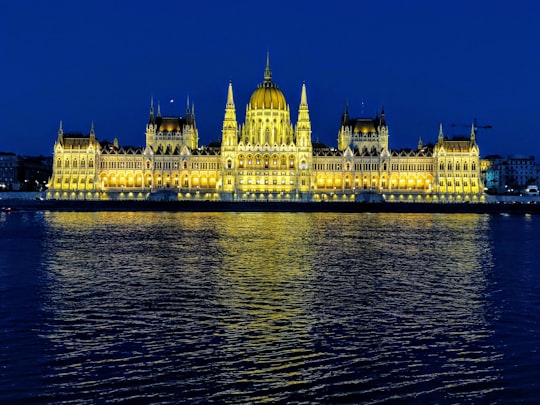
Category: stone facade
[266,158]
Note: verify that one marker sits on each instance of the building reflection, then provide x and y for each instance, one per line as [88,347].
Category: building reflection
[266,301]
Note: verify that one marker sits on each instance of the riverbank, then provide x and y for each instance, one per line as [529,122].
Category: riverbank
[261,206]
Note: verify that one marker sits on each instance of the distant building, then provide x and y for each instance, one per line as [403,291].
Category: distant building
[9,172]
[24,173]
[266,158]
[509,175]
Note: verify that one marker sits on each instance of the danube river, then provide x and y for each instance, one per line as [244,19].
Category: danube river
[161,307]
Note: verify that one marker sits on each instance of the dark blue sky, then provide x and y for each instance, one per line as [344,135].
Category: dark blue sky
[425,61]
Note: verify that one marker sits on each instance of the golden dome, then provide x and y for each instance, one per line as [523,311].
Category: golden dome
[267,95]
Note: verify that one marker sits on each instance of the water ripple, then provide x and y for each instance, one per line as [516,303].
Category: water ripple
[257,307]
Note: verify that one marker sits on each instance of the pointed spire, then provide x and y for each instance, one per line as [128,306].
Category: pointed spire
[383,118]
[267,71]
[303,97]
[60,133]
[303,127]
[441,135]
[345,116]
[229,123]
[151,120]
[158,109]
[473,132]
[230,99]
[92,132]
[420,145]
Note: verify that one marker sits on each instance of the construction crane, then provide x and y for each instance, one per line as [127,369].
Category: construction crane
[476,126]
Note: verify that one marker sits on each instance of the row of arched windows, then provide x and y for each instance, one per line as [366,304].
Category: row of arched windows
[457,166]
[75,164]
[266,161]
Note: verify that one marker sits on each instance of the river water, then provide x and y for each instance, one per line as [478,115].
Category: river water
[161,307]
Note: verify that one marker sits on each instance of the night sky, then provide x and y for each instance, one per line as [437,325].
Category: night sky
[425,61]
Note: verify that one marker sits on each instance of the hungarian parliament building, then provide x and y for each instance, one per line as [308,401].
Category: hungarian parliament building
[266,158]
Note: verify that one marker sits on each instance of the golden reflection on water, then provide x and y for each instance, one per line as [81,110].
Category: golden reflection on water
[288,292]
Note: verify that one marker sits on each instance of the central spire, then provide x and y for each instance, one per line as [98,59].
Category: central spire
[267,71]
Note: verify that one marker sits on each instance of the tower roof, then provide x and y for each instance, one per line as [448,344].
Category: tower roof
[267,95]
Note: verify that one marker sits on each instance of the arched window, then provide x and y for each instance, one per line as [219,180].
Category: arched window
[59,162]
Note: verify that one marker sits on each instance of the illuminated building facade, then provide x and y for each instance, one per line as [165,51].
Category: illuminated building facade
[266,158]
